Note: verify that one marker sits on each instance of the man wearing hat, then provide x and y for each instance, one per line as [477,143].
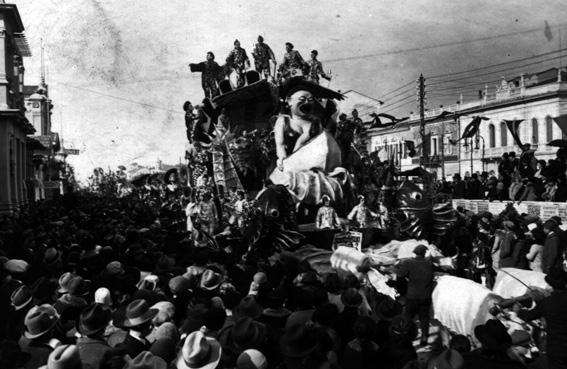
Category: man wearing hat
[39,323]
[327,217]
[419,274]
[199,352]
[138,319]
[495,341]
[21,301]
[552,308]
[552,248]
[64,357]
[92,347]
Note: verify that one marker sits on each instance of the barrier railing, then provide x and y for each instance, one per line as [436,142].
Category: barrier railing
[543,210]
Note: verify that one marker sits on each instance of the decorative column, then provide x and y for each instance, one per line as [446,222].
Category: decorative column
[4,85]
[4,167]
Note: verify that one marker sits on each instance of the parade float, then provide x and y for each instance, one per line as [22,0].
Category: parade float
[255,140]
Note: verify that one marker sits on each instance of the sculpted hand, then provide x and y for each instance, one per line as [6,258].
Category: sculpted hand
[280,164]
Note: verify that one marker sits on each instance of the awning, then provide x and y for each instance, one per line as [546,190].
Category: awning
[22,44]
[34,144]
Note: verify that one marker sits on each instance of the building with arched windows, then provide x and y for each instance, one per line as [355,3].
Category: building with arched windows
[535,99]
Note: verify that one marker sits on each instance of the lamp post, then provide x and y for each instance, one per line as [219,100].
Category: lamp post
[466,145]
[478,137]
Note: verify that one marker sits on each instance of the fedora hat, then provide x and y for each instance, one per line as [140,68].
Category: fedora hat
[493,335]
[298,341]
[211,280]
[199,352]
[21,297]
[251,359]
[179,284]
[249,307]
[93,319]
[351,297]
[40,320]
[145,360]
[78,287]
[64,282]
[16,266]
[64,357]
[248,333]
[138,312]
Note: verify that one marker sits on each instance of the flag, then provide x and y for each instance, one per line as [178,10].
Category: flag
[472,128]
[547,32]
[513,126]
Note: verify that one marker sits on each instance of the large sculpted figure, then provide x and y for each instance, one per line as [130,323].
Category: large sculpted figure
[308,157]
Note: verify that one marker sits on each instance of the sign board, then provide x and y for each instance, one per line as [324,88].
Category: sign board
[541,209]
[71,151]
[348,239]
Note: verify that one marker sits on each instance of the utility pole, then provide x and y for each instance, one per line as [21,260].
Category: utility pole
[421,100]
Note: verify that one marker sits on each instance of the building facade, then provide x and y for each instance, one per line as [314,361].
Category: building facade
[536,99]
[47,150]
[14,127]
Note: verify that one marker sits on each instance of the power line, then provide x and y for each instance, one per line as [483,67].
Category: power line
[494,72]
[453,43]
[397,89]
[120,98]
[400,103]
[495,65]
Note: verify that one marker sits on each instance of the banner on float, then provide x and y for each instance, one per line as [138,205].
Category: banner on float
[543,210]
[348,239]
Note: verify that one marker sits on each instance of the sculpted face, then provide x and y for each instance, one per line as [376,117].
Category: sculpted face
[301,103]
[237,45]
[288,48]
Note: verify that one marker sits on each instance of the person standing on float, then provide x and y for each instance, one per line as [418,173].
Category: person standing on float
[361,213]
[238,61]
[263,54]
[316,69]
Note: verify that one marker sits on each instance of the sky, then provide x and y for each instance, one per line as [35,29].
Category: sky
[118,69]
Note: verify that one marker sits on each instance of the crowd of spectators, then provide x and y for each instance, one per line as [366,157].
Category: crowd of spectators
[99,281]
[517,179]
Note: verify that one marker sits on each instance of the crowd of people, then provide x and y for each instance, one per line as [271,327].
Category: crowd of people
[92,280]
[518,179]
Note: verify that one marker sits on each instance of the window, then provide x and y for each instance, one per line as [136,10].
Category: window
[447,144]
[491,135]
[548,128]
[434,146]
[503,135]
[535,131]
